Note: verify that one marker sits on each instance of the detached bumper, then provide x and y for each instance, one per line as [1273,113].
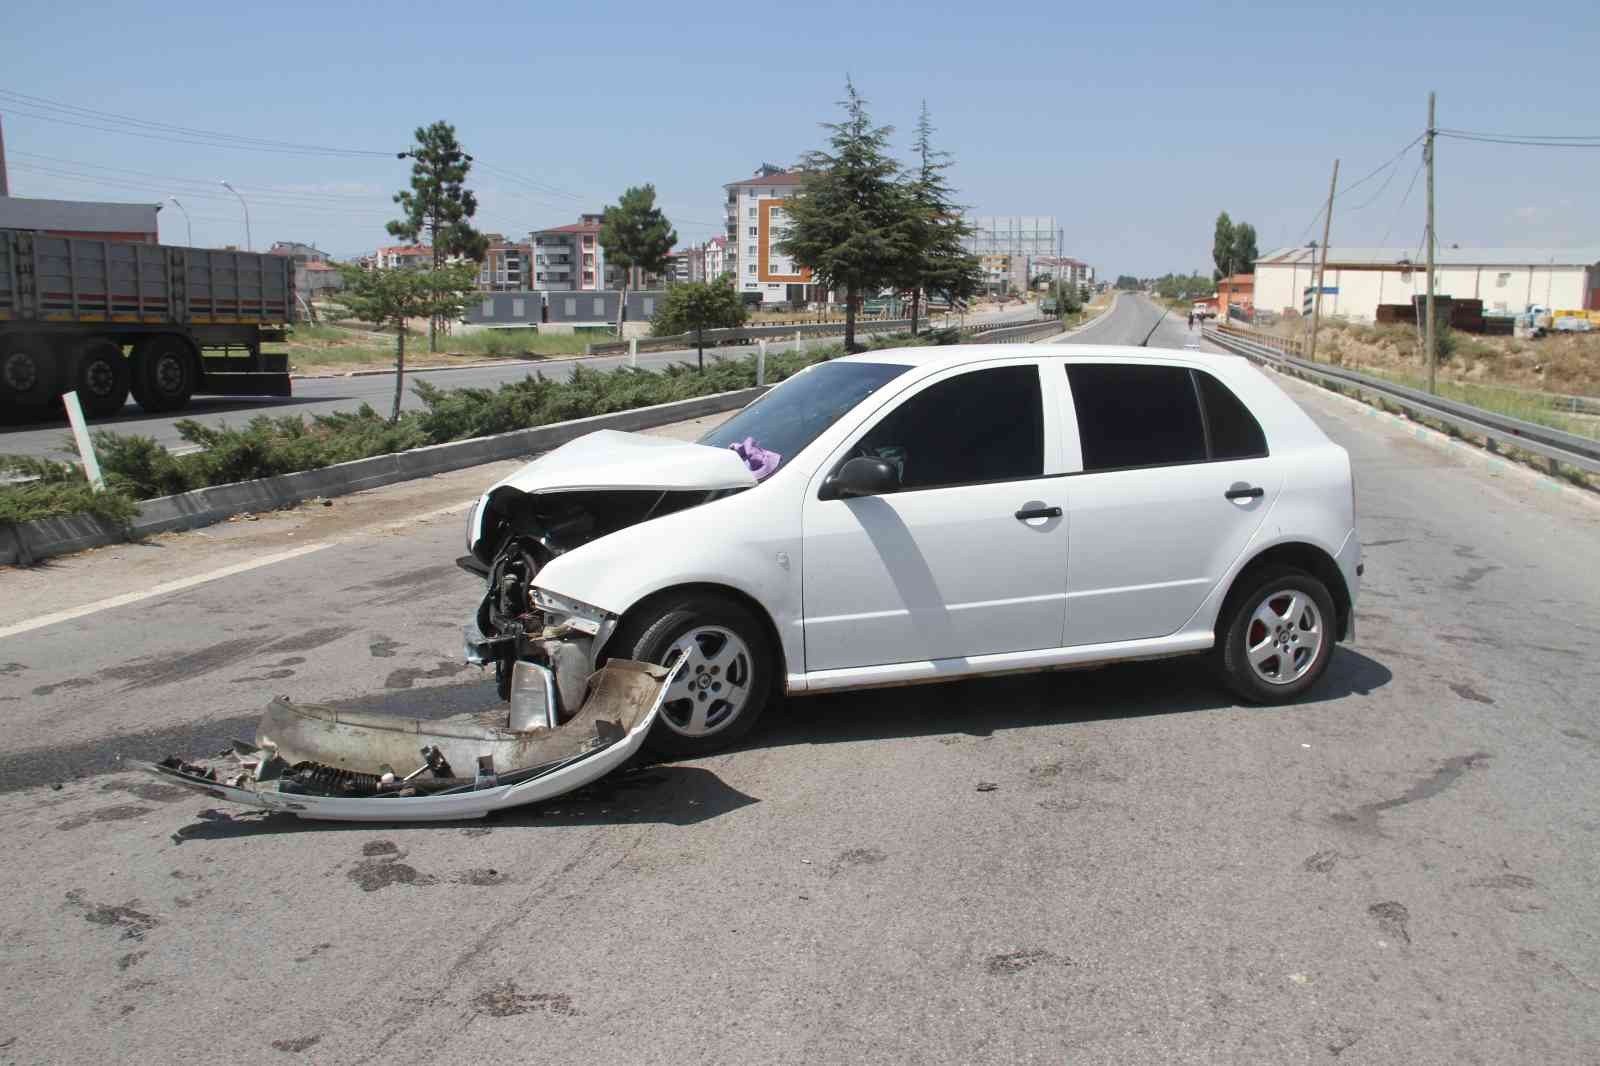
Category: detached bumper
[1351,566]
[321,763]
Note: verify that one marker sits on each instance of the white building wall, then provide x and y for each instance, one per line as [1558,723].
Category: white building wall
[1509,289]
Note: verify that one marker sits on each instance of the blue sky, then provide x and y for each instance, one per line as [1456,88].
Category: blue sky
[1133,123]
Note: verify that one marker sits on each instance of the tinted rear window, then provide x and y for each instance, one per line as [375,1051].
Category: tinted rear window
[1136,415]
[1234,431]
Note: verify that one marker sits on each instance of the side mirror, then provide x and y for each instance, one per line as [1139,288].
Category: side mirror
[861,476]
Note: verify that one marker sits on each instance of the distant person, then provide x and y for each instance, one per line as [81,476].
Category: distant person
[1191,320]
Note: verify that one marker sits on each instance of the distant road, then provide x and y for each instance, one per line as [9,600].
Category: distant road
[1129,322]
[327,395]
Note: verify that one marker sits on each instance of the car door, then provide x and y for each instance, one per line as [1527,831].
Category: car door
[1175,479]
[968,555]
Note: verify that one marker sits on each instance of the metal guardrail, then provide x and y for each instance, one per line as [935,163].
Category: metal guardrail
[1550,443]
[749,333]
[1025,333]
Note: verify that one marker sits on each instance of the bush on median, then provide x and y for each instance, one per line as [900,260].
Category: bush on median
[138,468]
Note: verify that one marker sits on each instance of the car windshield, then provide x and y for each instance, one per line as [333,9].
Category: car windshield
[775,428]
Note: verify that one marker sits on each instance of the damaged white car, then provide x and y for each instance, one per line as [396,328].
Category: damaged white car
[925,515]
[884,519]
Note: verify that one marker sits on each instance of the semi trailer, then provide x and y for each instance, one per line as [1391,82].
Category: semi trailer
[109,318]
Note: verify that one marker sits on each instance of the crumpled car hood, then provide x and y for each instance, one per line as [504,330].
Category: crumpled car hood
[609,459]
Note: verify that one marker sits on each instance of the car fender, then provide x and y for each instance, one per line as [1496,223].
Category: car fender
[749,542]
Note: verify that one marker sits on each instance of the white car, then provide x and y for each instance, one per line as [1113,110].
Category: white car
[926,515]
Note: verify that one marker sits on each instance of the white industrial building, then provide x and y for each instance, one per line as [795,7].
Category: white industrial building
[1357,280]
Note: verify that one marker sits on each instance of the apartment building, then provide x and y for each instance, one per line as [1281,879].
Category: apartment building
[716,258]
[506,267]
[569,258]
[1071,271]
[756,223]
[418,256]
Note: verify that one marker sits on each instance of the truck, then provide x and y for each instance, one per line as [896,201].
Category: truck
[107,318]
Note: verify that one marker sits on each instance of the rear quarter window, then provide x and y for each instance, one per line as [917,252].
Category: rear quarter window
[1231,429]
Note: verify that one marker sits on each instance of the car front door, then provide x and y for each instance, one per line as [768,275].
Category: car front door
[1176,478]
[967,554]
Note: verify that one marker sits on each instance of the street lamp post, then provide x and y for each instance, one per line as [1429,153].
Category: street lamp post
[187,224]
[248,245]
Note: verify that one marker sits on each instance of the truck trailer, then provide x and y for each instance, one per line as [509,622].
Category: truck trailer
[108,318]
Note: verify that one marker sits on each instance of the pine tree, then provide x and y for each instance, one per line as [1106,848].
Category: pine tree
[438,202]
[634,233]
[847,223]
[936,232]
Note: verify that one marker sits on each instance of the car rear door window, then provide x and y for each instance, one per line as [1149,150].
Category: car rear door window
[1132,415]
[986,425]
[1232,430]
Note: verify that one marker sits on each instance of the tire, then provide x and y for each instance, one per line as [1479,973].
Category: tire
[24,373]
[100,376]
[164,373]
[1275,635]
[699,717]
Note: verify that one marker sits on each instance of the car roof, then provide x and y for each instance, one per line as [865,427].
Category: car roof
[951,355]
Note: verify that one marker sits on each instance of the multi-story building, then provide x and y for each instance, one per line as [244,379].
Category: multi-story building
[569,258]
[506,266]
[756,223]
[686,264]
[716,258]
[1022,239]
[1073,272]
[313,272]
[404,255]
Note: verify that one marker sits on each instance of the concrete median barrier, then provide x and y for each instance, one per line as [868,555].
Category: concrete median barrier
[28,542]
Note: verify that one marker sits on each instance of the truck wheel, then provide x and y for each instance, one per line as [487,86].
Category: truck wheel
[100,375]
[163,374]
[22,373]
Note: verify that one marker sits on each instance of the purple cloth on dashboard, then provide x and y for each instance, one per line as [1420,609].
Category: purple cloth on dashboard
[760,461]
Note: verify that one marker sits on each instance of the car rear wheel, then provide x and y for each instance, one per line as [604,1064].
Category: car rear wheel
[727,676]
[1276,635]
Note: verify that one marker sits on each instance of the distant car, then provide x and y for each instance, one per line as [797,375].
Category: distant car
[904,516]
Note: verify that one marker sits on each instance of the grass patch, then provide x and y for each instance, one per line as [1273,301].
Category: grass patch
[1499,399]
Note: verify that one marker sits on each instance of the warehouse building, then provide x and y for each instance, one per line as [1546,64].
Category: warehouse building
[1358,280]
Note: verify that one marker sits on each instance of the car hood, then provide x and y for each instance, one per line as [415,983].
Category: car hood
[608,459]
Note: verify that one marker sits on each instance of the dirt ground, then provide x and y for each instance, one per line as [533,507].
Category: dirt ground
[1564,362]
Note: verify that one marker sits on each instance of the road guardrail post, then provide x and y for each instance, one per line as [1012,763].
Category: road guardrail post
[633,352]
[761,362]
[80,434]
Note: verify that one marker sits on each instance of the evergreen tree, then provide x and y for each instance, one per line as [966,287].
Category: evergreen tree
[634,233]
[696,306]
[847,222]
[438,202]
[935,232]
[393,296]
[1222,247]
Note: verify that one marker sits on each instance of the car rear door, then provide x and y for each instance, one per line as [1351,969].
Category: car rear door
[1175,477]
[969,556]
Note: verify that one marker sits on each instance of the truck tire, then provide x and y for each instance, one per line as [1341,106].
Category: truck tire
[23,371]
[164,372]
[100,376]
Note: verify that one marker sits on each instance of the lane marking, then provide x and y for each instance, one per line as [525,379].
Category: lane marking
[183,583]
[159,590]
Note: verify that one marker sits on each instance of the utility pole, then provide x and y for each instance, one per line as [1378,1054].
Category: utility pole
[1322,271]
[1427,155]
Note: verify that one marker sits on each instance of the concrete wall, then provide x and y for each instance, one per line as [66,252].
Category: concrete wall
[1508,288]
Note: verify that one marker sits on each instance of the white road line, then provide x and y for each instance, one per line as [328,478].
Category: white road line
[227,571]
[158,590]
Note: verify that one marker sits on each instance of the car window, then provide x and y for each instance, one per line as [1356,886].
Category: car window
[986,425]
[1232,430]
[780,424]
[1136,415]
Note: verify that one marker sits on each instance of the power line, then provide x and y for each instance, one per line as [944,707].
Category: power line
[1524,136]
[1527,143]
[258,190]
[1415,174]
[72,114]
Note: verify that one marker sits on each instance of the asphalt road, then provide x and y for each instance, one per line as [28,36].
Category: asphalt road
[1401,869]
[50,437]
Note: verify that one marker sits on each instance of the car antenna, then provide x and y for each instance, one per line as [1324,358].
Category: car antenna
[1159,319]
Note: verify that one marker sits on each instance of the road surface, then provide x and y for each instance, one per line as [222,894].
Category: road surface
[1401,869]
[49,437]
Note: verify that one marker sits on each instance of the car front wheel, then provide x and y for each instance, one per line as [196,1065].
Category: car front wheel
[727,675]
[1276,636]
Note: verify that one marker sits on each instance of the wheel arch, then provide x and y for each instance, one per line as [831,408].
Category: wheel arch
[707,588]
[1303,556]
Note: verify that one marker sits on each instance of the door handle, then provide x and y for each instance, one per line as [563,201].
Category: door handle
[1246,493]
[1038,512]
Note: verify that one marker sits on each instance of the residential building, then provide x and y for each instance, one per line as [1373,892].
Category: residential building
[569,258]
[302,253]
[756,223]
[314,272]
[1237,291]
[506,265]
[716,258]
[1074,272]
[413,256]
[1358,280]
[135,223]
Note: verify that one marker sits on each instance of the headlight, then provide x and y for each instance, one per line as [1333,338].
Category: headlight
[584,617]
[472,525]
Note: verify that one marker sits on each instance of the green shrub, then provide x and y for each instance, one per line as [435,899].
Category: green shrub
[58,489]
